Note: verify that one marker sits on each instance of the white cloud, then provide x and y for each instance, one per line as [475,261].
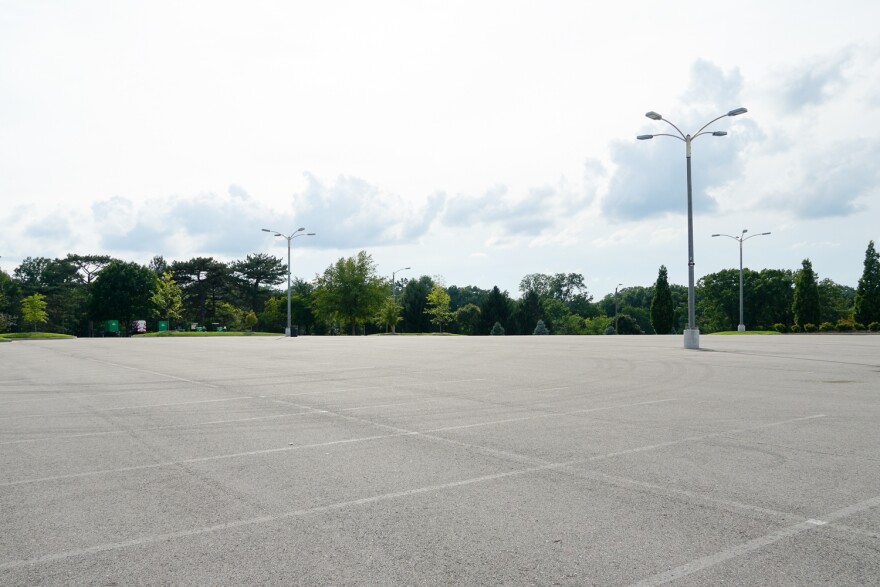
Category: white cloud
[479,141]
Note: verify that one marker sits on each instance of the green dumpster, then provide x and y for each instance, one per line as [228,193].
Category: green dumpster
[163,326]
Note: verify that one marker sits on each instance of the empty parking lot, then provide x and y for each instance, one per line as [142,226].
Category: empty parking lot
[441,460]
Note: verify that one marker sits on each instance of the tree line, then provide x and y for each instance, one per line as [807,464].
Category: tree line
[77,293]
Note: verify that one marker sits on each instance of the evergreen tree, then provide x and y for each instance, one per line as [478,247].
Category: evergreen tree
[867,302]
[497,330]
[540,328]
[806,296]
[662,310]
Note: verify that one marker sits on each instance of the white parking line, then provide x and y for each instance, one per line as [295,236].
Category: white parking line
[169,427]
[755,544]
[86,413]
[657,580]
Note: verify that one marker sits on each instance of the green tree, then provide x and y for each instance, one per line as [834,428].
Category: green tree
[805,306]
[167,299]
[540,328]
[10,302]
[258,270]
[203,282]
[350,290]
[497,330]
[33,310]
[414,300]
[468,319]
[273,318]
[496,308]
[835,301]
[66,295]
[437,306]
[867,299]
[250,320]
[662,310]
[389,314]
[122,291]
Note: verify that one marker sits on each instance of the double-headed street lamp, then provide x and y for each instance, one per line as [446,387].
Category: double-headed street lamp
[691,334]
[296,233]
[740,239]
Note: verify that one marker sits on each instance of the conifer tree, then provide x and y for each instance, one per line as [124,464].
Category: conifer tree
[806,296]
[867,301]
[662,310]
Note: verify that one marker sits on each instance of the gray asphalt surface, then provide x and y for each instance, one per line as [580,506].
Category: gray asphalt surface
[440,461]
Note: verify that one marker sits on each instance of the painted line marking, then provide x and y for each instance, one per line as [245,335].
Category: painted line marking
[711,560]
[169,427]
[86,413]
[155,373]
[651,581]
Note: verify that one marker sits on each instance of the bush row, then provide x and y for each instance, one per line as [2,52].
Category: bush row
[841,326]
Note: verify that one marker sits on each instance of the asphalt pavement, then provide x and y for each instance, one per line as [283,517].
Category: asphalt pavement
[537,460]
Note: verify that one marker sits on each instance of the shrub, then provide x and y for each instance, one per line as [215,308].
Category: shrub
[843,326]
[540,328]
[874,326]
[780,327]
[497,329]
[826,327]
[795,328]
[810,328]
[859,326]
[610,330]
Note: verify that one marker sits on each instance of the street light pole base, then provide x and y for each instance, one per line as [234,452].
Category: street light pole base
[741,328]
[692,338]
[286,331]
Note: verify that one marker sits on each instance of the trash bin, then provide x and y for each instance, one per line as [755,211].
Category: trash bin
[294,330]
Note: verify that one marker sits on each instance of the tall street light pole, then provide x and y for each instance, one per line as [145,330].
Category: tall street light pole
[740,239]
[615,308]
[691,333]
[394,283]
[290,237]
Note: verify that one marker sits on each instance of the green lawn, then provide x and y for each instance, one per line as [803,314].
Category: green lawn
[193,333]
[32,335]
[736,332]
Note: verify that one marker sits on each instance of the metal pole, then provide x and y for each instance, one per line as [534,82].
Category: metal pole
[287,331]
[742,326]
[691,335]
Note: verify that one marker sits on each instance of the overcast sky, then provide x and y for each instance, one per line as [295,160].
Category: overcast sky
[479,141]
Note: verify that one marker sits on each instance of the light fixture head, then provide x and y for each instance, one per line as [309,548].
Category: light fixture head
[764,233]
[265,230]
[719,133]
[645,137]
[745,230]
[737,111]
[716,235]
[653,115]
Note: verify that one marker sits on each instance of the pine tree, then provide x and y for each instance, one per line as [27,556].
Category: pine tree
[662,310]
[867,302]
[806,296]
[540,328]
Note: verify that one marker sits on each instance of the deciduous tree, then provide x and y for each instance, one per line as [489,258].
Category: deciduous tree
[350,290]
[438,306]
[33,310]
